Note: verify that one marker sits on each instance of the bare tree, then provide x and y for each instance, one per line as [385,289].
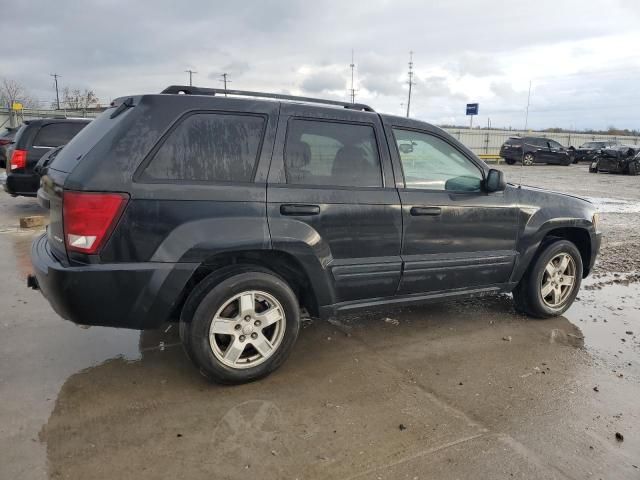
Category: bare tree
[10,92]
[76,99]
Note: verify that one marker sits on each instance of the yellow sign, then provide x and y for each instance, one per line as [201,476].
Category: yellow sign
[17,106]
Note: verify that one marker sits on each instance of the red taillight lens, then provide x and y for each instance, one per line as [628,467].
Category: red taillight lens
[89,218]
[18,159]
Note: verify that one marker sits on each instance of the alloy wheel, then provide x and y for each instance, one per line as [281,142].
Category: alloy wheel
[558,280]
[247,329]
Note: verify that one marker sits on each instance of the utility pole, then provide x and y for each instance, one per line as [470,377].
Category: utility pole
[410,82]
[352,65]
[526,117]
[55,79]
[190,72]
[225,81]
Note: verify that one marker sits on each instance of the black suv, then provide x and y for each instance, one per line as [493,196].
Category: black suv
[622,159]
[588,150]
[231,214]
[34,139]
[530,150]
[6,139]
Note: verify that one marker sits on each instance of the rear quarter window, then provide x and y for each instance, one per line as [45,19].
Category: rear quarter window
[208,147]
[56,134]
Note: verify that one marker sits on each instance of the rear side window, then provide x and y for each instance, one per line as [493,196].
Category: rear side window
[209,147]
[332,154]
[56,134]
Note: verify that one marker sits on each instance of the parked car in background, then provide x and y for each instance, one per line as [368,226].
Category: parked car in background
[31,142]
[6,138]
[530,150]
[586,151]
[622,159]
[230,215]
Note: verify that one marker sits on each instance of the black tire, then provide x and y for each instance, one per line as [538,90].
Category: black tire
[210,295]
[510,161]
[527,295]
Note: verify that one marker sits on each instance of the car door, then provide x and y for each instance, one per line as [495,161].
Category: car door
[332,202]
[557,153]
[456,235]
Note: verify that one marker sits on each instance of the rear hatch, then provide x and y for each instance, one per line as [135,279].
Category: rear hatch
[50,194]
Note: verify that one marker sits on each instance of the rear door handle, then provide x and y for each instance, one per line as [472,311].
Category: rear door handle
[425,211]
[299,210]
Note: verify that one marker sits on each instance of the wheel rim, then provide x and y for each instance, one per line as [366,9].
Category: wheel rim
[528,159]
[558,280]
[247,329]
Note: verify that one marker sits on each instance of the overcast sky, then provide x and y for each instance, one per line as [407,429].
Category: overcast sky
[582,57]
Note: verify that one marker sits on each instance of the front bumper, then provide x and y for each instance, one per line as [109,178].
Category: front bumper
[596,240]
[125,295]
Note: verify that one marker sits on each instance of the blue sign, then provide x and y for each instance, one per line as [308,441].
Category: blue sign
[472,108]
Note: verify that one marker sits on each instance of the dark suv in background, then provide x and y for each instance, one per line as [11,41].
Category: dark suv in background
[230,215]
[530,150]
[6,139]
[34,139]
[588,150]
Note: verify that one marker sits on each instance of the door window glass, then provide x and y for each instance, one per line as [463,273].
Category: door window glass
[332,154]
[430,163]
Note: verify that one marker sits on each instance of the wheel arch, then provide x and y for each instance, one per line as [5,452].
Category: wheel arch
[302,281]
[578,235]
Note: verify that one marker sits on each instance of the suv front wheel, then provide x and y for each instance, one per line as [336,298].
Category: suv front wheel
[551,284]
[243,328]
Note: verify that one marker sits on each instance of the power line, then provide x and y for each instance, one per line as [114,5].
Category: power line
[526,117]
[225,80]
[190,72]
[55,78]
[410,82]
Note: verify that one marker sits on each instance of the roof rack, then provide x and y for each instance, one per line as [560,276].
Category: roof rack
[188,90]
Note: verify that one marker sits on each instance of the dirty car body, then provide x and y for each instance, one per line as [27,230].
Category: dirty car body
[622,159]
[369,228]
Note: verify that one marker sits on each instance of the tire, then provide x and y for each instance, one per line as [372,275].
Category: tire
[528,159]
[510,161]
[633,168]
[260,350]
[529,296]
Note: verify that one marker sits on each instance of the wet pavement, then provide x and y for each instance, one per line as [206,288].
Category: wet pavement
[463,389]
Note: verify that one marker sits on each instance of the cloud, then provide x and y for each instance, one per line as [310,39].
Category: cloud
[578,61]
[323,81]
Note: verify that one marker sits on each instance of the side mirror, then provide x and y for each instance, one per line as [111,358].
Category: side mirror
[495,181]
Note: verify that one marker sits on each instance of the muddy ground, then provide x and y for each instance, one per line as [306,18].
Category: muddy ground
[454,390]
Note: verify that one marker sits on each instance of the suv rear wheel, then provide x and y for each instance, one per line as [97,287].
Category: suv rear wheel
[243,328]
[528,159]
[551,284]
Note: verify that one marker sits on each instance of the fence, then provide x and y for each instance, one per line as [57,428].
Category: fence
[481,142]
[488,142]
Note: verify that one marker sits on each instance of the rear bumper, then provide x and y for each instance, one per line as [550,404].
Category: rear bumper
[24,184]
[137,296]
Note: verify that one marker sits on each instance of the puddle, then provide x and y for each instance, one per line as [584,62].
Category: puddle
[608,314]
[614,205]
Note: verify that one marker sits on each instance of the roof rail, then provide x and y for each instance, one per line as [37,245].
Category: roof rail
[188,90]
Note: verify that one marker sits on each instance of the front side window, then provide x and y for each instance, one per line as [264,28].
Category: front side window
[430,163]
[209,147]
[332,154]
[56,134]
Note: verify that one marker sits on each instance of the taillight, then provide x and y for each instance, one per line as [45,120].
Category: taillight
[89,218]
[18,159]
